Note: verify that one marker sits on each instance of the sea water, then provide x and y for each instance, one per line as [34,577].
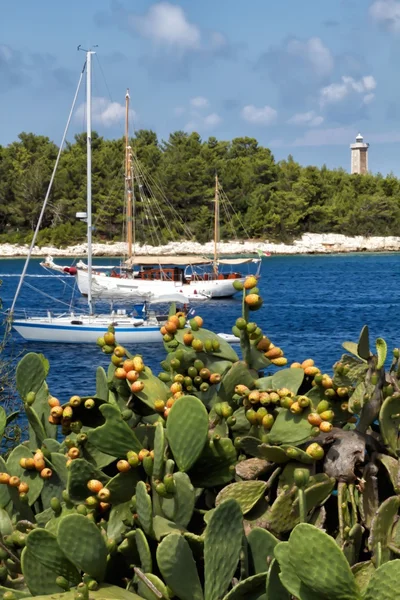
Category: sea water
[312,303]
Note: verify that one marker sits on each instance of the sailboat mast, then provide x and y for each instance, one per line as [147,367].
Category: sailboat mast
[89,171]
[128,178]
[216,226]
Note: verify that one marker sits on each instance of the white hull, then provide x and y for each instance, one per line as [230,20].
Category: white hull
[116,287]
[84,329]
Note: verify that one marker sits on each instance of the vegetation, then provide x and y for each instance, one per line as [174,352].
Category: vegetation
[278,200]
[210,481]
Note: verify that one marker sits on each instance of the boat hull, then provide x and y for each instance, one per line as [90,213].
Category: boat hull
[63,331]
[115,287]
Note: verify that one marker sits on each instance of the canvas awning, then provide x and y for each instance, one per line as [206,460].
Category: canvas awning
[235,261]
[167,260]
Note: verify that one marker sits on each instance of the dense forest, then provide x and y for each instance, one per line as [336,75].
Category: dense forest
[275,200]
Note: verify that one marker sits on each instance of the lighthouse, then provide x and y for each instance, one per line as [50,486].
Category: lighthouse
[359,156]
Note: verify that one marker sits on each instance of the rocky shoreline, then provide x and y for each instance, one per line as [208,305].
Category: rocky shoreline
[311,243]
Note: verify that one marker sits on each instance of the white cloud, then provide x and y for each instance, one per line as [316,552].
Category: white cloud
[336,92]
[387,14]
[166,24]
[309,118]
[201,123]
[212,120]
[199,102]
[265,115]
[368,98]
[179,110]
[314,52]
[105,112]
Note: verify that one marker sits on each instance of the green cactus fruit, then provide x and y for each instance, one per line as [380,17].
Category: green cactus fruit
[222,545]
[169,484]
[63,583]
[161,490]
[178,568]
[187,430]
[148,465]
[238,285]
[301,477]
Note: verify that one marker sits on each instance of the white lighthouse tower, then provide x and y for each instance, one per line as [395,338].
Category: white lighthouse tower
[359,156]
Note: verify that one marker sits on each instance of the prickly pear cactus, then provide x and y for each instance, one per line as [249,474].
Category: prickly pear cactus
[219,478]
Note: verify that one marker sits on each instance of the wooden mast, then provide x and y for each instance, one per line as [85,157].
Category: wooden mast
[216,226]
[128,179]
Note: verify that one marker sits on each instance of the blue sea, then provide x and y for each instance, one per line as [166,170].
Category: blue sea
[311,305]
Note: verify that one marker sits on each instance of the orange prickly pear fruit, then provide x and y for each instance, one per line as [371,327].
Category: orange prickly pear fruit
[143,453]
[188,338]
[252,299]
[123,466]
[274,353]
[104,494]
[159,405]
[89,404]
[307,363]
[250,282]
[242,390]
[304,401]
[171,327]
[119,351]
[22,463]
[197,345]
[23,487]
[175,387]
[311,371]
[215,378]
[314,419]
[137,386]
[52,401]
[138,363]
[132,376]
[4,478]
[326,382]
[128,365]
[94,485]
[29,464]
[283,392]
[198,320]
[279,362]
[327,415]
[254,397]
[39,464]
[14,481]
[109,338]
[296,408]
[342,392]
[268,421]
[74,453]
[295,365]
[326,426]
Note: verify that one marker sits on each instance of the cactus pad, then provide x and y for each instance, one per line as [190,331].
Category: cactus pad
[215,465]
[43,545]
[222,545]
[178,568]
[115,437]
[389,420]
[384,583]
[246,494]
[290,429]
[381,526]
[81,542]
[187,430]
[180,507]
[30,374]
[144,508]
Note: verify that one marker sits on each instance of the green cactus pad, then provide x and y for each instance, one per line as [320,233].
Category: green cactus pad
[37,432]
[144,508]
[289,428]
[123,486]
[178,568]
[363,350]
[384,583]
[362,574]
[154,389]
[159,449]
[390,422]
[238,374]
[215,465]
[381,526]
[80,472]
[143,549]
[38,578]
[180,507]
[222,545]
[120,514]
[290,579]
[187,430]
[32,478]
[250,588]
[146,593]
[105,592]
[6,527]
[261,545]
[246,494]
[101,384]
[163,527]
[115,437]
[275,589]
[274,454]
[322,567]
[44,546]
[288,378]
[392,467]
[82,542]
[381,350]
[282,515]
[30,374]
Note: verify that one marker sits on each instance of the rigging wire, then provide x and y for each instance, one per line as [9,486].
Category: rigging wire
[47,194]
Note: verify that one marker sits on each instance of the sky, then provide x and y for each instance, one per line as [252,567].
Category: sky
[303,78]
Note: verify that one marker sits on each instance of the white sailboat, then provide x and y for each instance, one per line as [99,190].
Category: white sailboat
[196,277]
[85,328]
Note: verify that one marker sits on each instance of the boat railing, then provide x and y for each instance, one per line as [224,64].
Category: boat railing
[22,313]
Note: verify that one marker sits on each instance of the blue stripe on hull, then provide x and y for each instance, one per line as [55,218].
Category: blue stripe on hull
[84,328]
